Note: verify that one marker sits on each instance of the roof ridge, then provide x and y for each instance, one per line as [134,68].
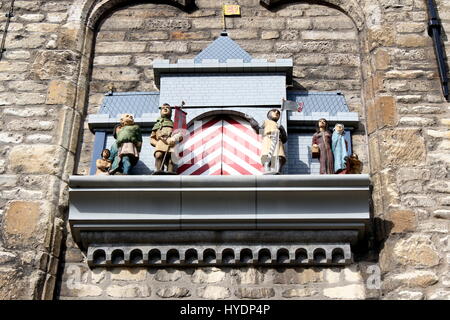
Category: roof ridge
[222,49]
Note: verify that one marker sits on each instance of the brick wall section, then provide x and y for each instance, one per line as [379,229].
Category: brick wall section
[322,42]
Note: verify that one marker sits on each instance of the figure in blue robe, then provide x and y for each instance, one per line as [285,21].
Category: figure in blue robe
[339,148]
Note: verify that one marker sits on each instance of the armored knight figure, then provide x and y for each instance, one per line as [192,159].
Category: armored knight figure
[164,141]
[125,151]
[274,137]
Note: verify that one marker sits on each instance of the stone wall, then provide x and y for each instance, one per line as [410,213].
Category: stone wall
[384,63]
[408,141]
[212,283]
[37,77]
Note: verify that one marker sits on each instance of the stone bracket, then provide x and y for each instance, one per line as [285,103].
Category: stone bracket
[211,254]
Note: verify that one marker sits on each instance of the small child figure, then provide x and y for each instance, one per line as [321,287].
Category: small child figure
[104,164]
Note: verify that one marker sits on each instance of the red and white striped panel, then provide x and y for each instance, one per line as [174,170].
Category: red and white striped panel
[223,145]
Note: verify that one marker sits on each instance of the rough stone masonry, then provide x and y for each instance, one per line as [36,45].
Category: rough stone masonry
[61,56]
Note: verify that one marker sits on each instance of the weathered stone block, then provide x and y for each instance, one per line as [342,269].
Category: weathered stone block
[353,291]
[116,73]
[173,292]
[299,293]
[333,275]
[299,23]
[32,17]
[112,60]
[213,292]
[166,275]
[325,35]
[192,35]
[164,47]
[297,276]
[56,17]
[382,59]
[402,147]
[442,214]
[30,125]
[179,24]
[39,139]
[419,201]
[10,137]
[434,226]
[42,27]
[120,47]
[7,257]
[416,121]
[352,274]
[386,108]
[439,294]
[381,36]
[54,65]
[255,293]
[249,276]
[43,159]
[128,291]
[417,250]
[268,35]
[412,40]
[403,221]
[405,295]
[80,290]
[21,221]
[128,274]
[61,92]
[208,275]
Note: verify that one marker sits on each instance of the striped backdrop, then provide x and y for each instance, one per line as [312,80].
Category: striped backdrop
[220,145]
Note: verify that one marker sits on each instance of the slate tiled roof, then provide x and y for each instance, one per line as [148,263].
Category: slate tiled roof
[223,48]
[135,103]
[331,102]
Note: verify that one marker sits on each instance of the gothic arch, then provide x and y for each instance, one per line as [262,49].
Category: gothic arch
[89,12]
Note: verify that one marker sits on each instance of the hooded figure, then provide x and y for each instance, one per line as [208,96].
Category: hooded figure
[339,148]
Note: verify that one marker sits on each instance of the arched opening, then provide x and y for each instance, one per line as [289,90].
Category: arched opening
[154,256]
[222,144]
[246,255]
[209,256]
[191,256]
[283,255]
[264,256]
[228,256]
[117,257]
[136,256]
[99,256]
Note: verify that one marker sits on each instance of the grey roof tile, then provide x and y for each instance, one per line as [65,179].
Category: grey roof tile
[136,103]
[223,48]
[331,102]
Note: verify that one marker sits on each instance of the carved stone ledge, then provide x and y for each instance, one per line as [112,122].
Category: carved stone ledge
[223,255]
